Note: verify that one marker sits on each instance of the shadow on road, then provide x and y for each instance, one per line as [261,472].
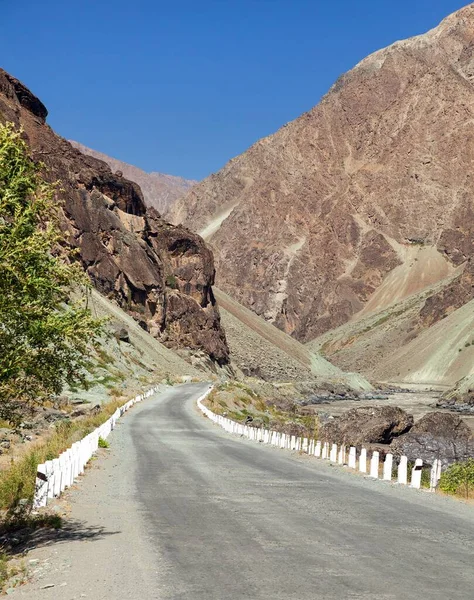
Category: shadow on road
[27,538]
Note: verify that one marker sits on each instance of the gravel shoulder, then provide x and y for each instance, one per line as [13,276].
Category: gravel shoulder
[183,511]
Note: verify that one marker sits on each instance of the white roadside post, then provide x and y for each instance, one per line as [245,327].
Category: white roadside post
[57,477]
[317,449]
[363,461]
[333,453]
[325,450]
[41,487]
[387,467]
[341,457]
[352,457]
[50,476]
[293,443]
[403,470]
[374,465]
[435,474]
[416,474]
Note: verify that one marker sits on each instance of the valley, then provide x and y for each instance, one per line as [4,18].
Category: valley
[319,286]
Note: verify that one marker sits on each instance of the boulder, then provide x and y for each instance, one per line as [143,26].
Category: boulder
[367,425]
[121,333]
[436,435]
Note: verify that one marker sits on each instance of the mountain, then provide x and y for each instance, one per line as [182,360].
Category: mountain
[162,275]
[361,203]
[159,190]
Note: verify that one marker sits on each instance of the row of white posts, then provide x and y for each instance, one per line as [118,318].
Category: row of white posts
[54,476]
[341,455]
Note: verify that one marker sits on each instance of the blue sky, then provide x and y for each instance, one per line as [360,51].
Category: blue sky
[183,86]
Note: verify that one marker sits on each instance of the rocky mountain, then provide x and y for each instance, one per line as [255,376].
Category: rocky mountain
[159,190]
[161,274]
[359,204]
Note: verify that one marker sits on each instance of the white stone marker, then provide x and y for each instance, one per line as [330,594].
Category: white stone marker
[387,467]
[317,450]
[416,474]
[352,457]
[403,470]
[363,461]
[435,474]
[293,442]
[341,457]
[374,465]
[41,487]
[57,478]
[325,450]
[333,453]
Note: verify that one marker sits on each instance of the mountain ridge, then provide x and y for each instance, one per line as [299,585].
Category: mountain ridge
[308,223]
[159,190]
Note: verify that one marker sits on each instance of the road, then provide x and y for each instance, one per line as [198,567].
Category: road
[180,510]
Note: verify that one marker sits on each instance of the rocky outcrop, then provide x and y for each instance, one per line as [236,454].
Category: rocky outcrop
[437,435]
[308,222]
[367,425]
[159,190]
[161,274]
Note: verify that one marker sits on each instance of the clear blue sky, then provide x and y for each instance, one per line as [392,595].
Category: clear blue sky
[184,85]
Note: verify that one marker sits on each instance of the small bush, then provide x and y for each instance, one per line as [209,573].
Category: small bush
[171,282]
[103,443]
[458,479]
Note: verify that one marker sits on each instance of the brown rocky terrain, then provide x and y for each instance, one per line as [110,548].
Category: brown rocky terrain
[159,190]
[362,202]
[161,274]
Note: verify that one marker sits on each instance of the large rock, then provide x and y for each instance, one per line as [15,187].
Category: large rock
[161,274]
[308,222]
[436,435]
[367,425]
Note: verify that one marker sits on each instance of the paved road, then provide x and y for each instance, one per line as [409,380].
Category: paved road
[199,515]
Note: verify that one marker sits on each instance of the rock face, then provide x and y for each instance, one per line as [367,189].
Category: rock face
[367,425]
[161,274]
[436,435]
[159,190]
[308,223]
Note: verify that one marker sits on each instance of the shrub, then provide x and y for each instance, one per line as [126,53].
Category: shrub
[103,443]
[171,282]
[458,478]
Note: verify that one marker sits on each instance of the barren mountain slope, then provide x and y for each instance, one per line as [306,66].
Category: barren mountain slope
[394,345]
[159,190]
[307,224]
[161,274]
[261,350]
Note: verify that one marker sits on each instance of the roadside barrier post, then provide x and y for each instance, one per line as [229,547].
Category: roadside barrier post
[363,461]
[374,465]
[352,457]
[403,470]
[416,474]
[387,467]
[317,449]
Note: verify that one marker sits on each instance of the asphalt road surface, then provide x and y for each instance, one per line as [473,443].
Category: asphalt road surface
[178,509]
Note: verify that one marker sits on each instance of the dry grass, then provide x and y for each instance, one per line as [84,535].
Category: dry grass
[239,401]
[17,482]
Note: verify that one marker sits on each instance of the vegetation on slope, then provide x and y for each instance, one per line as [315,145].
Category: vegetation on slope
[255,405]
[45,337]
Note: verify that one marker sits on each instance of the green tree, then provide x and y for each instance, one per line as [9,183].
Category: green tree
[46,337]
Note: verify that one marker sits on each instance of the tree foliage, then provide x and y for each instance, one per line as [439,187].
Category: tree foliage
[458,478]
[45,336]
